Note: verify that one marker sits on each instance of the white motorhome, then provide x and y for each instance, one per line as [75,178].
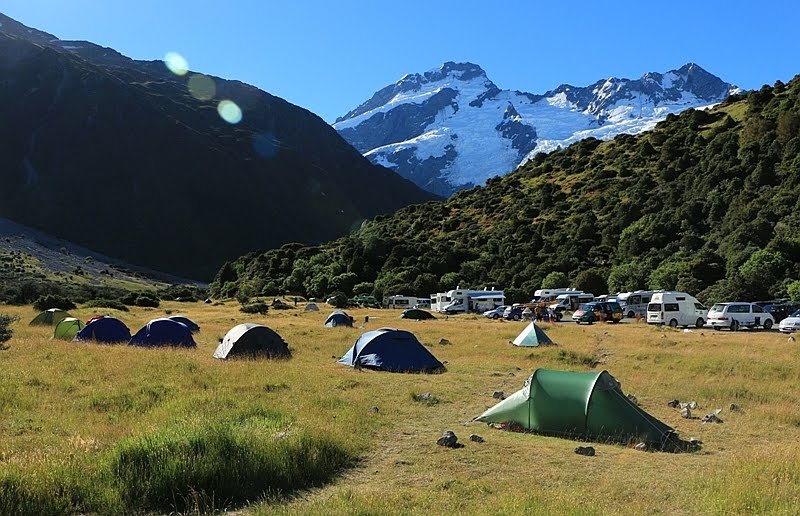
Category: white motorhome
[399,301]
[571,301]
[463,301]
[675,309]
[634,304]
[549,295]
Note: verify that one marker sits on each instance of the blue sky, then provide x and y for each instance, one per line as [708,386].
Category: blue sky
[330,55]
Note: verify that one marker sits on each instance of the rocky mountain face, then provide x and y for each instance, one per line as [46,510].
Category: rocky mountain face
[117,155]
[453,128]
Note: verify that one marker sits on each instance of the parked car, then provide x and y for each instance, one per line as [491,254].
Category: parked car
[780,311]
[495,313]
[592,312]
[737,315]
[791,323]
[513,312]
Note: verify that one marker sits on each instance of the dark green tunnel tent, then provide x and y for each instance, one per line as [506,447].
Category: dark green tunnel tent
[417,314]
[588,405]
[50,317]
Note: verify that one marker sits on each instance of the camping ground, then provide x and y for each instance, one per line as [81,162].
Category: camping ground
[66,407]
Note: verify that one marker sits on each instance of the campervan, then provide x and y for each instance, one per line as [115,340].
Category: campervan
[571,301]
[464,301]
[399,302]
[675,309]
[634,304]
[549,295]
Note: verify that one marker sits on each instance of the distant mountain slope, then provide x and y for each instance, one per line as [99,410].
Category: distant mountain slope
[116,155]
[708,202]
[453,128]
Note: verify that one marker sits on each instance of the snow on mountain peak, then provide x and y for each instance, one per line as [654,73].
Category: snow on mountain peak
[451,127]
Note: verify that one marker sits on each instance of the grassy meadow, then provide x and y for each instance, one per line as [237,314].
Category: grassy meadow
[109,429]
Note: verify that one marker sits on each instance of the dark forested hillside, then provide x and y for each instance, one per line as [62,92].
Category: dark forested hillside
[708,202]
[120,157]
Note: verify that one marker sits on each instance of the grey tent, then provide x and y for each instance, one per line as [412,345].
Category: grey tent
[533,336]
[338,318]
[311,307]
[252,341]
[416,313]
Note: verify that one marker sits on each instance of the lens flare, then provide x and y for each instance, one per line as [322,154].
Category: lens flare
[229,111]
[176,63]
[202,87]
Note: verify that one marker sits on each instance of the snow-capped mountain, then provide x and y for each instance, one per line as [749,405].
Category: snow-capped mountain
[453,128]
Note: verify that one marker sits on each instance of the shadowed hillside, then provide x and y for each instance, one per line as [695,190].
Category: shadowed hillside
[116,155]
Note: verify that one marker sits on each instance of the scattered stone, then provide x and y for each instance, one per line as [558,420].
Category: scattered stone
[375,410]
[633,399]
[444,342]
[641,446]
[712,418]
[499,395]
[692,405]
[791,339]
[686,413]
[476,438]
[734,407]
[694,441]
[585,450]
[207,301]
[448,439]
[673,403]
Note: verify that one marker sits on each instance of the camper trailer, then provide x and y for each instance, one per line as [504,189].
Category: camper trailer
[464,301]
[675,309]
[571,301]
[399,301]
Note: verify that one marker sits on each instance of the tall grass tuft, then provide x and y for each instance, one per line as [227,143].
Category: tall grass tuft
[219,466]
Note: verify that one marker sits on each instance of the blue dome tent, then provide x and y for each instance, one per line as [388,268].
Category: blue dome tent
[339,318]
[163,332]
[388,349]
[107,330]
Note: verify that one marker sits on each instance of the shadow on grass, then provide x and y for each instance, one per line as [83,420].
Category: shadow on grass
[216,466]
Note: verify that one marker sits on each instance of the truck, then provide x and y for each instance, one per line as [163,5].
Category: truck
[464,300]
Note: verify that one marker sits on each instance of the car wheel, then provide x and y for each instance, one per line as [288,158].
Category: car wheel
[495,316]
[516,317]
[734,325]
[559,316]
[673,323]
[631,315]
[699,323]
[717,328]
[768,324]
[578,323]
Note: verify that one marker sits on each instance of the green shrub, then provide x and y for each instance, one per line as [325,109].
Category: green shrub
[5,327]
[106,303]
[255,308]
[53,301]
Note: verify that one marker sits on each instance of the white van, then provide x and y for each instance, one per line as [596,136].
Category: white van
[635,303]
[571,301]
[675,309]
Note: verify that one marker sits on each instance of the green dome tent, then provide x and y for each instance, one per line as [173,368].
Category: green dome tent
[533,336]
[68,328]
[574,404]
[50,317]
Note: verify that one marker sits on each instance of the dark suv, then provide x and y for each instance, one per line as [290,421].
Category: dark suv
[598,311]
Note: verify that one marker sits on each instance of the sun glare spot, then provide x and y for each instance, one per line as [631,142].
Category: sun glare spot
[202,87]
[176,63]
[229,111]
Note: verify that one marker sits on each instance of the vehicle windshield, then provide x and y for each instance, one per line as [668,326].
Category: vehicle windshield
[719,307]
[795,314]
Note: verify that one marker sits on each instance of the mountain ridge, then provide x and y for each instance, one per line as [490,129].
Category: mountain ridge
[426,126]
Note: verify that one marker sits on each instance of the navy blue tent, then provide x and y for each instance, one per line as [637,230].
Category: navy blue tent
[193,326]
[388,349]
[338,318]
[105,329]
[163,332]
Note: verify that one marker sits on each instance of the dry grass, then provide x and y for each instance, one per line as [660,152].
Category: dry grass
[62,399]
